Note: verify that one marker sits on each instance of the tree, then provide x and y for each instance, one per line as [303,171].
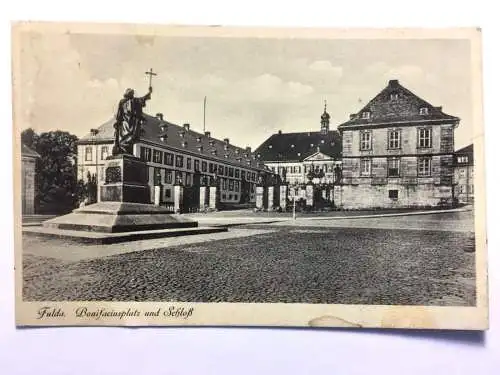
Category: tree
[56,172]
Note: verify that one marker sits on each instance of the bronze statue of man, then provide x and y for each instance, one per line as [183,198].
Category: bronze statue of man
[129,119]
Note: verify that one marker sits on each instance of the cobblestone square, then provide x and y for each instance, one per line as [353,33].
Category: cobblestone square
[282,262]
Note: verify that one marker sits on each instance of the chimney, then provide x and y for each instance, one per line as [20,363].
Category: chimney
[440,108]
[248,149]
[159,116]
[351,116]
[207,134]
[226,141]
[393,82]
[279,132]
[186,127]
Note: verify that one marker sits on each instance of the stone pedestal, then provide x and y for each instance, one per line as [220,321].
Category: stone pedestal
[259,197]
[283,196]
[178,198]
[125,204]
[203,197]
[126,180]
[270,198]
[309,195]
[212,198]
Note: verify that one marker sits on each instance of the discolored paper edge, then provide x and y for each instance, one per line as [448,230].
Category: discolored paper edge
[263,314]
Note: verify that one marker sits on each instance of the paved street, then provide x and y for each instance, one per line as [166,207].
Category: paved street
[410,260]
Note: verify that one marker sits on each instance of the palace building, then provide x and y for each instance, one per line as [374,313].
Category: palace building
[178,154]
[464,174]
[397,151]
[297,156]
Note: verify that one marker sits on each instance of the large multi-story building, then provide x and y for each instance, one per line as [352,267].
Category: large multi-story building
[178,154]
[397,151]
[464,174]
[294,156]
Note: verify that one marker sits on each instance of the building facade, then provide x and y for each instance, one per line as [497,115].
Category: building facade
[178,154]
[397,151]
[29,158]
[296,157]
[464,174]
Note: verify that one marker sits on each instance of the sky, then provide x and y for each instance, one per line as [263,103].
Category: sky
[254,86]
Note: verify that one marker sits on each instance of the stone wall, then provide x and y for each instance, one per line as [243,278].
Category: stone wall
[367,196]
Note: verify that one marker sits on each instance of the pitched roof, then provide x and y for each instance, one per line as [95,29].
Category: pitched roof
[28,152]
[298,146]
[396,104]
[179,137]
[466,150]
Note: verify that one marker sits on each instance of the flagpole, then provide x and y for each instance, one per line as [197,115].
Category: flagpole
[204,112]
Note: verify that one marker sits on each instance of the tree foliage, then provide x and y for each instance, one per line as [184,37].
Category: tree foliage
[56,169]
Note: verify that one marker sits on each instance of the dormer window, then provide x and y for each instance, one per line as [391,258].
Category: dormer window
[394,96]
[270,146]
[292,146]
[424,111]
[365,115]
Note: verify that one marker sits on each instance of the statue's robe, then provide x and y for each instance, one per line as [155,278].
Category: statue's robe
[129,118]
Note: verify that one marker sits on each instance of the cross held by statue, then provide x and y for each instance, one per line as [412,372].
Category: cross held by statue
[150,73]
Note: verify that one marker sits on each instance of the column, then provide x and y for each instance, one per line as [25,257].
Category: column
[178,198]
[283,196]
[310,195]
[158,194]
[203,197]
[337,197]
[270,198]
[259,197]
[212,197]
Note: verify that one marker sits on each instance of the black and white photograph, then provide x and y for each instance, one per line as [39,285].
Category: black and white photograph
[249,176]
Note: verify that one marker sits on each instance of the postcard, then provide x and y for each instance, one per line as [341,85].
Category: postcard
[232,176]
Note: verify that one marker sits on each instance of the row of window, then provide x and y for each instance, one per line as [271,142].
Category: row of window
[463,159]
[366,115]
[89,153]
[187,179]
[394,167]
[298,169]
[424,139]
[168,158]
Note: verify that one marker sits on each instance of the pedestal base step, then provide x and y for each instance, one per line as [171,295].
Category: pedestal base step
[119,217]
[109,238]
